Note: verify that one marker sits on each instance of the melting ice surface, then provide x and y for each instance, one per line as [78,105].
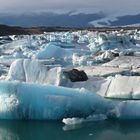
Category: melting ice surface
[33,84]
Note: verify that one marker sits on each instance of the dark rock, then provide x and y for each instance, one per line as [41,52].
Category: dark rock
[115,54]
[75,75]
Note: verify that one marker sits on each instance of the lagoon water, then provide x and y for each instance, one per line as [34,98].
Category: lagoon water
[43,130]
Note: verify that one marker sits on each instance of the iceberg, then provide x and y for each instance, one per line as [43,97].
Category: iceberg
[124,87]
[118,87]
[127,62]
[46,102]
[52,51]
[33,71]
[21,100]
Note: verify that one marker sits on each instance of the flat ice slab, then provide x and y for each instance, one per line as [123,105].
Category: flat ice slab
[118,87]
[128,62]
[103,70]
[124,87]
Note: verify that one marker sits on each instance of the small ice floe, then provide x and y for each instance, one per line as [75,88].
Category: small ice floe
[74,121]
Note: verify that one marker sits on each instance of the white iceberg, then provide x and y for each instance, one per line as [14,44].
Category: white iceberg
[33,71]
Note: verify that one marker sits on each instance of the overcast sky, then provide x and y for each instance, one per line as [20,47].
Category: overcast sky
[130,6]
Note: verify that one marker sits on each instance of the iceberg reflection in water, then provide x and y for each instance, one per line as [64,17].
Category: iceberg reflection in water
[34,130]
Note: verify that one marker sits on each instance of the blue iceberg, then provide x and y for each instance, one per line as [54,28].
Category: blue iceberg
[46,102]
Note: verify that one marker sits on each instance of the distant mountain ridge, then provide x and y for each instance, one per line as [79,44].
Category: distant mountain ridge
[68,19]
[50,19]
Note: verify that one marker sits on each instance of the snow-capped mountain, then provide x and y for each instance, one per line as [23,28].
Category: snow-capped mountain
[71,19]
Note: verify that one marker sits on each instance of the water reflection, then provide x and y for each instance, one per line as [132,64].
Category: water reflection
[33,130]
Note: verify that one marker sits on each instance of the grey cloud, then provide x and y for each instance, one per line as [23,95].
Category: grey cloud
[32,5]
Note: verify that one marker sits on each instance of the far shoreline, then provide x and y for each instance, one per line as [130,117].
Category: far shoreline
[17,30]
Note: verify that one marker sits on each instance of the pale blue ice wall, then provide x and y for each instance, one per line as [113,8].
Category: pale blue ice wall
[32,101]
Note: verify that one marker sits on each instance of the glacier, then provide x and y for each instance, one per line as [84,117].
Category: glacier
[33,84]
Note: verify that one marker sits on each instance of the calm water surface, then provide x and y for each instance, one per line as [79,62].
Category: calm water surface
[40,130]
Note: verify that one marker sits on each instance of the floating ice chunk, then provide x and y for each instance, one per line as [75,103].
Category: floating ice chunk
[126,110]
[94,47]
[105,56]
[18,55]
[83,39]
[35,72]
[74,121]
[53,51]
[16,71]
[124,62]
[77,59]
[33,101]
[103,71]
[96,85]
[124,87]
[63,45]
